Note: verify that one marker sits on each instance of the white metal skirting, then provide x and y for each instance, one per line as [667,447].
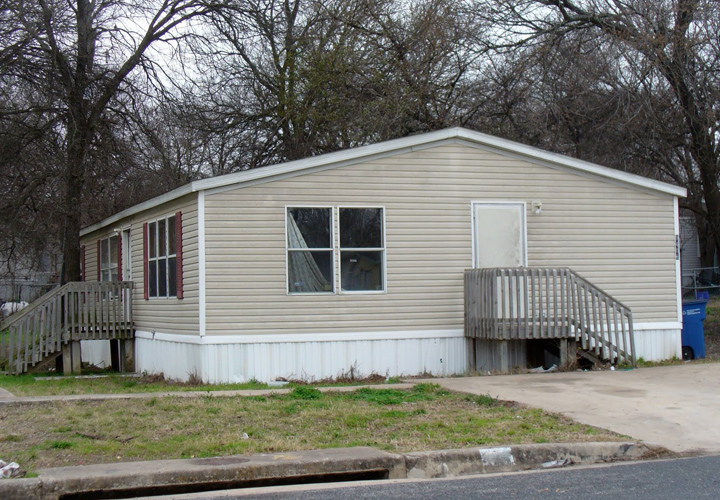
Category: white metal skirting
[96,352]
[223,359]
[266,361]
[657,342]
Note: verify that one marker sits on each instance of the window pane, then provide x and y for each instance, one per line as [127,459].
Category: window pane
[161,238]
[309,228]
[152,279]
[172,277]
[114,274]
[151,239]
[103,254]
[105,275]
[113,250]
[162,278]
[310,271]
[361,228]
[361,271]
[171,235]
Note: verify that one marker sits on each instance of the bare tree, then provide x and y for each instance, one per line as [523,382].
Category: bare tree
[667,56]
[286,79]
[73,61]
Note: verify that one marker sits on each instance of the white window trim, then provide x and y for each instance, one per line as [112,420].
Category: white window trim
[288,250]
[335,240]
[157,258]
[383,249]
[110,266]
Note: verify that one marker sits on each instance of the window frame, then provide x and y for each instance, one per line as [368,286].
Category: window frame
[335,238]
[108,266]
[330,249]
[382,250]
[164,258]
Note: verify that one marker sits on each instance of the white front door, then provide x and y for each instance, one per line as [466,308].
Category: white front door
[499,235]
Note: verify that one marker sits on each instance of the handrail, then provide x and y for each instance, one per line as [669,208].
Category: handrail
[547,303]
[75,311]
[17,316]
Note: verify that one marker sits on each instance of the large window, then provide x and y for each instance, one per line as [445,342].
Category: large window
[311,255]
[162,258]
[108,259]
[310,250]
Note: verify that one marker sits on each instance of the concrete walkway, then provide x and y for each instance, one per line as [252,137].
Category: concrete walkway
[677,407]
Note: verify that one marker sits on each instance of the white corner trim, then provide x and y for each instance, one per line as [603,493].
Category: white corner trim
[678,270]
[202,311]
[668,325]
[300,337]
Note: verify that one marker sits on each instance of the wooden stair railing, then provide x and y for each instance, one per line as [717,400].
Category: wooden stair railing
[75,311]
[547,303]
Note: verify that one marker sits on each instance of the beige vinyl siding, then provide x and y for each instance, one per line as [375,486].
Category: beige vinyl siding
[171,315]
[91,257]
[620,238]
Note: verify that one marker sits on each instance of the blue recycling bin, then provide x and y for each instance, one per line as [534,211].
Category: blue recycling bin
[693,333]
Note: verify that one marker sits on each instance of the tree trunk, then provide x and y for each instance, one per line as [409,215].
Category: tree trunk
[72,204]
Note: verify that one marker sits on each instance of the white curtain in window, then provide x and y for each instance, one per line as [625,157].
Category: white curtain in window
[302,262]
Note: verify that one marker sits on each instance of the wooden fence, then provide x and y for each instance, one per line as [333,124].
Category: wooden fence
[547,303]
[75,311]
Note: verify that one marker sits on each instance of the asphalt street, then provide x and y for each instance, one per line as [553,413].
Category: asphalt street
[687,478]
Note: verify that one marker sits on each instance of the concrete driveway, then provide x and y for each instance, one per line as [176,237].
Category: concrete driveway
[677,407]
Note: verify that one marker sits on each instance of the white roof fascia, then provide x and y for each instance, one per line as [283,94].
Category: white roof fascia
[145,205]
[395,146]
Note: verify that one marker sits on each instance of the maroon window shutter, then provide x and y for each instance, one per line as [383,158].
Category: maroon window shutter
[120,262]
[146,283]
[98,260]
[179,254]
[82,262]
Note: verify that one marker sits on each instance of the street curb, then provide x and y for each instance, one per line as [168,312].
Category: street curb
[450,463]
[129,479]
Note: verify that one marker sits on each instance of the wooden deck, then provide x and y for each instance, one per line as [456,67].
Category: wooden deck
[76,311]
[547,303]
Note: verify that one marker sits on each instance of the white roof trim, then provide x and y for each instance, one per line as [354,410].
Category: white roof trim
[397,145]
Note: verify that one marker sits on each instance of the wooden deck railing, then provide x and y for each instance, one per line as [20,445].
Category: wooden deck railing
[547,303]
[75,311]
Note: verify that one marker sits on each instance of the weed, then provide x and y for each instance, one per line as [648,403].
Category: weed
[421,392]
[483,400]
[194,379]
[380,396]
[61,445]
[12,438]
[304,392]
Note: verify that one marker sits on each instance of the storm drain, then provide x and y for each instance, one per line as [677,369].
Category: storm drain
[177,489]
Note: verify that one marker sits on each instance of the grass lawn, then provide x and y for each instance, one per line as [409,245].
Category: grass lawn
[33,385]
[424,418]
[112,383]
